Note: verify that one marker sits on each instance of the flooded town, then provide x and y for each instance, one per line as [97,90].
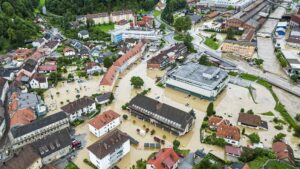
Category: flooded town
[150,84]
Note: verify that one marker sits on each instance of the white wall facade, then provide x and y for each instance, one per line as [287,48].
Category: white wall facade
[105,129]
[79,113]
[4,91]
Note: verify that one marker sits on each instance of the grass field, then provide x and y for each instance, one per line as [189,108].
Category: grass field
[211,43]
[106,27]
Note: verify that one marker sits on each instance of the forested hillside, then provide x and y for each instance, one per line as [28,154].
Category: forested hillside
[78,7]
[172,6]
[16,24]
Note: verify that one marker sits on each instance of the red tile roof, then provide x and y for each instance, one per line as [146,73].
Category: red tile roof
[123,59]
[164,159]
[103,119]
[283,151]
[22,117]
[296,18]
[109,76]
[233,150]
[229,132]
[47,68]
[215,121]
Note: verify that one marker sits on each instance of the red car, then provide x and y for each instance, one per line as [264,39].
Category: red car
[76,144]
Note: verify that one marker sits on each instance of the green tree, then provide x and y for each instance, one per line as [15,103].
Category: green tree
[230,7]
[183,24]
[8,9]
[230,34]
[297,131]
[279,137]
[111,97]
[204,60]
[137,82]
[254,138]
[176,144]
[162,27]
[297,117]
[107,62]
[210,109]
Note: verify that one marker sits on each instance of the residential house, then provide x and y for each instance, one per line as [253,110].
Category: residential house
[27,158]
[40,54]
[168,56]
[166,158]
[3,90]
[293,42]
[252,121]
[83,34]
[52,45]
[47,68]
[295,20]
[109,79]
[215,121]
[69,51]
[80,107]
[104,123]
[103,98]
[284,152]
[233,152]
[8,73]
[39,81]
[22,54]
[54,146]
[92,68]
[109,149]
[98,18]
[230,133]
[130,57]
[117,16]
[28,68]
[162,115]
[21,117]
[38,129]
[39,42]
[240,48]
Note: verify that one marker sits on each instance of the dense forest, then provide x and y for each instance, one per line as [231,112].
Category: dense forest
[16,24]
[79,7]
[171,7]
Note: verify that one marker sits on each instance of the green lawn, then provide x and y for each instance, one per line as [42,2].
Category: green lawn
[105,27]
[71,166]
[274,164]
[156,13]
[257,163]
[211,43]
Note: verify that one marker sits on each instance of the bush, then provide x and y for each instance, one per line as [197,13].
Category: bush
[125,106]
[125,117]
[297,117]
[137,82]
[77,122]
[210,109]
[254,138]
[279,127]
[279,137]
[249,154]
[215,141]
[176,144]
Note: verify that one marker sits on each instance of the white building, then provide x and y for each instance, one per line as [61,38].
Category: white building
[3,89]
[84,34]
[107,151]
[39,81]
[225,3]
[199,80]
[39,42]
[121,15]
[104,123]
[80,107]
[69,52]
[122,34]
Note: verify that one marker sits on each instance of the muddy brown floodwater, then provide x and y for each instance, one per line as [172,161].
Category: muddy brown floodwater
[228,104]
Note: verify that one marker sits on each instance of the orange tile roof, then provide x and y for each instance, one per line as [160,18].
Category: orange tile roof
[164,159]
[22,117]
[103,119]
[136,49]
[229,132]
[109,76]
[283,151]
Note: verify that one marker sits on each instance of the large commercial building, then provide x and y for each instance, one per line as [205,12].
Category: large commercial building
[138,33]
[252,17]
[239,48]
[162,115]
[199,80]
[237,4]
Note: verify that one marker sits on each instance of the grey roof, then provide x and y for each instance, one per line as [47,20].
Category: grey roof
[193,73]
[195,18]
[176,115]
[40,123]
[6,72]
[26,100]
[24,159]
[2,84]
[103,97]
[52,143]
[77,105]
[108,144]
[84,32]
[29,65]
[243,43]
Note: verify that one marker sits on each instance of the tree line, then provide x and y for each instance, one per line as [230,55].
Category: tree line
[171,7]
[81,7]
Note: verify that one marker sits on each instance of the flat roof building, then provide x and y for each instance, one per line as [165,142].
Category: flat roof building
[199,80]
